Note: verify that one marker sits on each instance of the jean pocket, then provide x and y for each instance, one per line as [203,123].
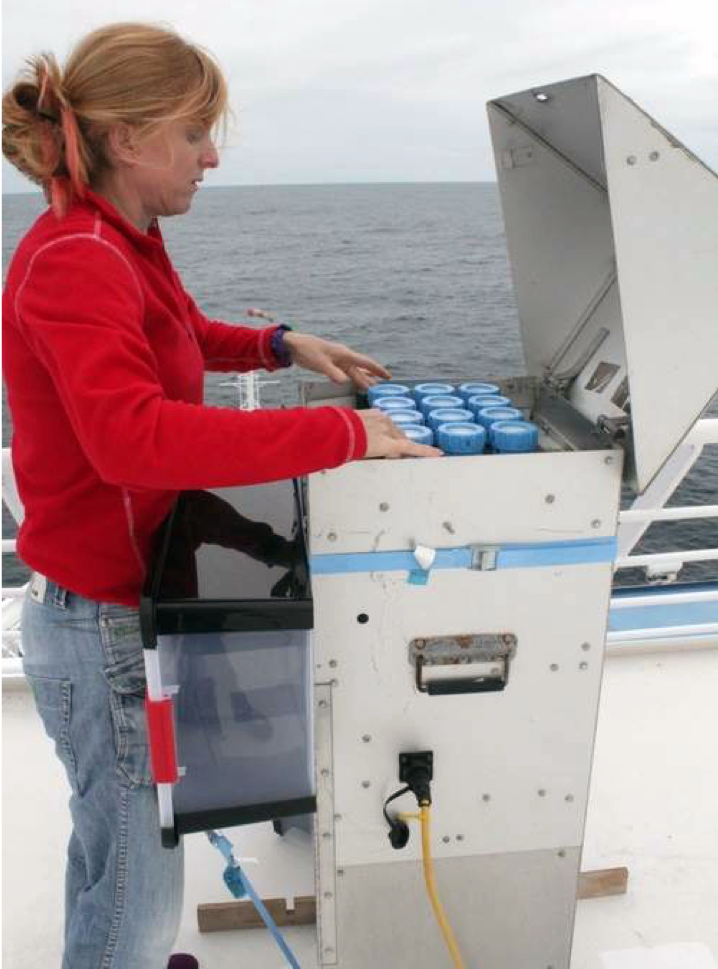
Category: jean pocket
[53,699]
[125,675]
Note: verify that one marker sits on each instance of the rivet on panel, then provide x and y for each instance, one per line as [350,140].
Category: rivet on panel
[541,792]
[596,523]
[459,837]
[631,160]
[326,836]
[340,872]
[446,839]
[583,666]
[550,499]
[486,797]
[366,783]
[337,817]
[332,536]
[585,647]
[553,667]
[366,738]
[384,506]
[608,460]
[569,798]
[325,772]
[328,895]
[654,156]
[562,853]
[333,663]
[323,704]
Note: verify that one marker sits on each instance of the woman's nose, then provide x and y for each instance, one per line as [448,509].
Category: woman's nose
[210,156]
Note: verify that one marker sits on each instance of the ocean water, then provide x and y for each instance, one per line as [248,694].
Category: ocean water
[415,275]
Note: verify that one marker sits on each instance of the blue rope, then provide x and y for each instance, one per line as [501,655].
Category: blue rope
[239,885]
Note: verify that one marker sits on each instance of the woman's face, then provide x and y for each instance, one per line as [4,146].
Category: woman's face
[169,164]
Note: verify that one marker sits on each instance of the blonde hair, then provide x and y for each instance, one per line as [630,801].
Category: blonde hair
[55,122]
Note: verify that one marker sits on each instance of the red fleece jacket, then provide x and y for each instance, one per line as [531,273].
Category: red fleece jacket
[104,355]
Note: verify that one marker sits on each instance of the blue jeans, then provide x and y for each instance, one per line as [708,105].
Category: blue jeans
[123,890]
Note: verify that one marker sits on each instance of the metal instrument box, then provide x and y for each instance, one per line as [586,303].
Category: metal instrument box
[461,603]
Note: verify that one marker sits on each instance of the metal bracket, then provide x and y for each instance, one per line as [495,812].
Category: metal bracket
[484,557]
[615,427]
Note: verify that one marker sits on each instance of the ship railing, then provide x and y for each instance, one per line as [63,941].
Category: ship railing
[682,628]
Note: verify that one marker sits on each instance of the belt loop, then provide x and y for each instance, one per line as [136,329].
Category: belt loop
[38,587]
[59,597]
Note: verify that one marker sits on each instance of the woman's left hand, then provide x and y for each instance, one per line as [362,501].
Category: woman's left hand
[334,360]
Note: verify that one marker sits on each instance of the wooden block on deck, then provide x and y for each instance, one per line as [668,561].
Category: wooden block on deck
[605,881]
[218,917]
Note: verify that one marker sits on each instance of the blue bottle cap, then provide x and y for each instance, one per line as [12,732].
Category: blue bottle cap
[406,417]
[387,390]
[427,404]
[432,389]
[488,415]
[472,389]
[422,435]
[461,438]
[443,415]
[393,403]
[476,403]
[509,437]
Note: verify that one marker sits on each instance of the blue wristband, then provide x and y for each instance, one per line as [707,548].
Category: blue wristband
[279,349]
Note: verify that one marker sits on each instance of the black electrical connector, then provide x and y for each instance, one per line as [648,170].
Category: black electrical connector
[398,829]
[417,771]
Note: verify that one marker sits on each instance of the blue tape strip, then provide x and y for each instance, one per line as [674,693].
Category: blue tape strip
[536,555]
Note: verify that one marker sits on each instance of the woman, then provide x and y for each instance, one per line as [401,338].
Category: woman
[104,360]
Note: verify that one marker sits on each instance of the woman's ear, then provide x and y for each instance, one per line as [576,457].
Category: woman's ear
[122,144]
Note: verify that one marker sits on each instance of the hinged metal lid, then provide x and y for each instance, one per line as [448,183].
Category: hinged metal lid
[612,232]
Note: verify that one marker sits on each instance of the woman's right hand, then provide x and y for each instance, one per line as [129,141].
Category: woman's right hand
[385,440]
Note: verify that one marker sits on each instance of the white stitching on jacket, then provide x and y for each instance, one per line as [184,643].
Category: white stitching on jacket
[352,433]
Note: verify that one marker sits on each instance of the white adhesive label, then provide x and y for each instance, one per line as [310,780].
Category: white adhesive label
[680,955]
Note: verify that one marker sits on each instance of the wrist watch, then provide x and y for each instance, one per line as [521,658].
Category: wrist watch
[280,350]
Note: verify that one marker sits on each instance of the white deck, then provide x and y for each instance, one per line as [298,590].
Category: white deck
[653,809]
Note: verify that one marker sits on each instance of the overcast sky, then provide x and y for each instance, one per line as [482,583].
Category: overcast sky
[395,90]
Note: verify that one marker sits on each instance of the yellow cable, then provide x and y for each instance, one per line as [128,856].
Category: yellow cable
[430,880]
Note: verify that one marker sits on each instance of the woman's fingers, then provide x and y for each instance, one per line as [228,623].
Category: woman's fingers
[386,440]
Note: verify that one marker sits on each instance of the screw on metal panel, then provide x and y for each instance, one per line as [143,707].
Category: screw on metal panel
[332,536]
[366,783]
[486,797]
[583,666]
[562,853]
[333,663]
[337,817]
[362,618]
[366,738]
[328,895]
[553,667]
[459,837]
[541,792]
[326,836]
[340,872]
[448,527]
[325,772]
[550,499]
[334,682]
[569,798]
[631,160]
[608,460]
[596,523]
[384,506]
[585,647]
[446,839]
[654,156]
[323,704]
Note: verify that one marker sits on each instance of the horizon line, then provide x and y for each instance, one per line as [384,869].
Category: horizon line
[35,190]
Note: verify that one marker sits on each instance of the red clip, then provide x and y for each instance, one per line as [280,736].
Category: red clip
[163,751]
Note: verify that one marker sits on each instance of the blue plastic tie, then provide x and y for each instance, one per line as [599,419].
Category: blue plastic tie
[239,885]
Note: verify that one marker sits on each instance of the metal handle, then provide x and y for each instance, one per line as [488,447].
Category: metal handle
[487,684]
